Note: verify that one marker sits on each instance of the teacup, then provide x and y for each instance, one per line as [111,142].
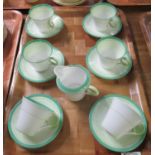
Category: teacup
[34,117]
[121,120]
[112,51]
[103,15]
[74,81]
[39,54]
[42,16]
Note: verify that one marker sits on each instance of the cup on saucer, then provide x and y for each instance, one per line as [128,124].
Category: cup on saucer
[103,15]
[34,117]
[38,53]
[112,51]
[42,16]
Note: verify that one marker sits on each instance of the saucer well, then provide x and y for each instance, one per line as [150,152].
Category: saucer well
[33,30]
[90,28]
[93,63]
[42,138]
[78,2]
[28,73]
[96,116]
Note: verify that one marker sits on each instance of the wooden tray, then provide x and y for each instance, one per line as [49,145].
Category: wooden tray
[145,23]
[22,4]
[13,21]
[75,137]
[130,2]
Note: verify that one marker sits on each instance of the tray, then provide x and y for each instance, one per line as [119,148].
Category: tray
[130,2]
[75,137]
[13,21]
[145,24]
[22,4]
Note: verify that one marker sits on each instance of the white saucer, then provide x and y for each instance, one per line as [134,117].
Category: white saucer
[90,28]
[93,63]
[32,29]
[78,2]
[27,71]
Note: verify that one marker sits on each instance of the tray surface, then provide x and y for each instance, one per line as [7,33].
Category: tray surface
[22,4]
[75,137]
[130,2]
[13,21]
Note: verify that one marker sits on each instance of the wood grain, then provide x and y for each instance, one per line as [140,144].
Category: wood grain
[13,21]
[22,4]
[145,23]
[130,2]
[75,137]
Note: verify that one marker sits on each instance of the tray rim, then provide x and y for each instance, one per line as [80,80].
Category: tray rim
[15,48]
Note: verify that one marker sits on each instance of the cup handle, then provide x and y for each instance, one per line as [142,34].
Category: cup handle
[124,61]
[112,23]
[51,23]
[136,133]
[53,61]
[92,91]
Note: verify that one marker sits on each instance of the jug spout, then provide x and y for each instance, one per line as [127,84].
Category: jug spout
[59,70]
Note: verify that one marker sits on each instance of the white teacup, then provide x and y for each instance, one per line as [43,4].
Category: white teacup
[112,51]
[42,15]
[103,15]
[74,81]
[34,117]
[39,54]
[122,120]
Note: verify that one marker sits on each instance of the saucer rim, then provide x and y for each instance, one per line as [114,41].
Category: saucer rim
[39,81]
[101,141]
[96,36]
[68,4]
[103,76]
[43,36]
[52,137]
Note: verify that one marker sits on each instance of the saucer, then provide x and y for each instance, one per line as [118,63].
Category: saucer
[90,28]
[96,116]
[43,138]
[28,72]
[93,63]
[78,2]
[32,29]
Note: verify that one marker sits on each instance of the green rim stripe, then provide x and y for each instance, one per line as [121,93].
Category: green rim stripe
[46,36]
[50,139]
[40,5]
[70,90]
[93,35]
[103,76]
[113,38]
[36,41]
[36,81]
[103,4]
[102,142]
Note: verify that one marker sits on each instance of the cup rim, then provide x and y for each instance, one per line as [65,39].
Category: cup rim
[102,4]
[116,39]
[102,142]
[74,90]
[51,138]
[40,5]
[36,41]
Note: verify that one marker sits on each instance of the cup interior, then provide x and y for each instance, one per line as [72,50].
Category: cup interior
[41,12]
[74,77]
[103,11]
[111,48]
[37,51]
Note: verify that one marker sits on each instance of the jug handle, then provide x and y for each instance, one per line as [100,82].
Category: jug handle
[92,90]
